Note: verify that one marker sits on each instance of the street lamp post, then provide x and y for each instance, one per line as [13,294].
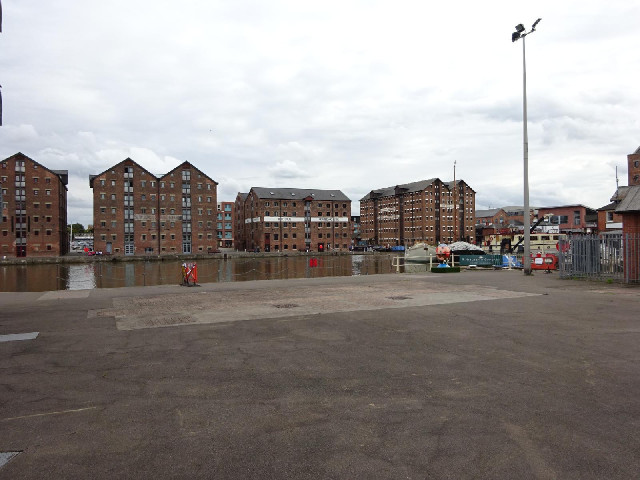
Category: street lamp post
[520,33]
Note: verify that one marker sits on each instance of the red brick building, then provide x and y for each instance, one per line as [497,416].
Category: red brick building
[224,224]
[136,212]
[608,219]
[286,219]
[33,200]
[493,217]
[633,162]
[240,228]
[430,211]
[629,208]
[571,218]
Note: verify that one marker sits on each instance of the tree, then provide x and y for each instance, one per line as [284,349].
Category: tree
[77,228]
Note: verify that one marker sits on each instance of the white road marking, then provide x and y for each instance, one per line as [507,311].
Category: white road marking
[12,337]
[59,412]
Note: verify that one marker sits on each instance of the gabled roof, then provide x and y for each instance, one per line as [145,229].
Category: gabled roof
[487,213]
[458,182]
[62,174]
[91,177]
[299,193]
[568,206]
[191,166]
[408,187]
[631,202]
[619,194]
[242,196]
[610,206]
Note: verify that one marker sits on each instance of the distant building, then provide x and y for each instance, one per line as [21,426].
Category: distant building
[629,209]
[136,212]
[356,237]
[633,162]
[571,218]
[430,211]
[493,217]
[33,200]
[225,224]
[608,219]
[290,219]
[241,229]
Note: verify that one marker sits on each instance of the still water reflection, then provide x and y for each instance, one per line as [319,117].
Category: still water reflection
[40,278]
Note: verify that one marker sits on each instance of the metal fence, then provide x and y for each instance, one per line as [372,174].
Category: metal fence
[612,257]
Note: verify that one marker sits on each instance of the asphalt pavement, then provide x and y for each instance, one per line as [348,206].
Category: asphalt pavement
[481,374]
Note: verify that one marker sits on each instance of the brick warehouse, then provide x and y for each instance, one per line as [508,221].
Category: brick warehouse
[34,208]
[421,211]
[285,219]
[225,224]
[136,212]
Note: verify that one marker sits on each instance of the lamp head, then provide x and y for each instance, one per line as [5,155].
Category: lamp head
[520,28]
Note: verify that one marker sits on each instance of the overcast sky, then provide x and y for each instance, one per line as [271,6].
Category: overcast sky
[350,95]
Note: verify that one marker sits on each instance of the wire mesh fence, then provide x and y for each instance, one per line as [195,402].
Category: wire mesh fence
[606,257]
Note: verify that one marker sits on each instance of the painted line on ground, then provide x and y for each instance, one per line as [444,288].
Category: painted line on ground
[59,412]
[5,457]
[14,337]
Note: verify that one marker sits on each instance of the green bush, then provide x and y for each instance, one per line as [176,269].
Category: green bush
[445,270]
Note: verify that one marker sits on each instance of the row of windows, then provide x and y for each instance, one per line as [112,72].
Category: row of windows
[23,233]
[21,178]
[172,211]
[143,223]
[7,248]
[152,183]
[293,204]
[163,236]
[295,224]
[276,247]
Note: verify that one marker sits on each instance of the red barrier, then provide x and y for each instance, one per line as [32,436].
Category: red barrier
[546,261]
[313,262]
[189,274]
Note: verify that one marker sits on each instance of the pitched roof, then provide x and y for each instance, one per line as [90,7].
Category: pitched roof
[299,193]
[458,182]
[190,165]
[91,177]
[631,202]
[62,174]
[573,205]
[610,206]
[487,213]
[408,187]
[619,194]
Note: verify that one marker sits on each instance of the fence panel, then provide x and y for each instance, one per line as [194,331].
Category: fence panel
[600,257]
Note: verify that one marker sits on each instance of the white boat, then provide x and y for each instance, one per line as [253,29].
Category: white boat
[465,248]
[419,253]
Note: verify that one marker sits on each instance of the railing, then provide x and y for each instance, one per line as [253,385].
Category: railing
[608,257]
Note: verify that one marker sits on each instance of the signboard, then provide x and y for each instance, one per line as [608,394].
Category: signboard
[481,260]
[329,219]
[284,219]
[144,217]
